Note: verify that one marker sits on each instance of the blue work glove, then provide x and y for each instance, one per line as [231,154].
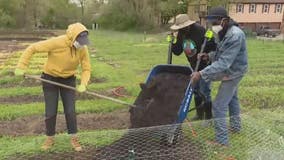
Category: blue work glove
[81,88]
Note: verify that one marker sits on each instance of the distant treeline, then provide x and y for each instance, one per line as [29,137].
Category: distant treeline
[109,14]
[45,13]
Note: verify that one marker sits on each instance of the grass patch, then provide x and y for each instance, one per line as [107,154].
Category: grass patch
[10,112]
[30,145]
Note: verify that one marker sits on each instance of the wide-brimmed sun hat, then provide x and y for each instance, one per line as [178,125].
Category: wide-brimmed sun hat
[182,20]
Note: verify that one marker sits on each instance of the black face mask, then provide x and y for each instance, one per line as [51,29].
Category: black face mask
[185,31]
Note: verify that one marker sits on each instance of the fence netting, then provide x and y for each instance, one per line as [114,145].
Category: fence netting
[187,141]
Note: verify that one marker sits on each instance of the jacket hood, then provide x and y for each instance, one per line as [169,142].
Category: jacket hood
[233,23]
[74,30]
[223,32]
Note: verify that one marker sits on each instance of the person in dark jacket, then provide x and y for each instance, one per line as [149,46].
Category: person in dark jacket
[189,37]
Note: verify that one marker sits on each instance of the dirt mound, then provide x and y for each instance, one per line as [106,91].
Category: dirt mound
[159,101]
[34,125]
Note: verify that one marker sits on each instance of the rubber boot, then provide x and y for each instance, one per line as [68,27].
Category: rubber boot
[199,109]
[208,110]
[208,114]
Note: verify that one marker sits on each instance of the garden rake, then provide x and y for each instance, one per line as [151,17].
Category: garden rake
[74,89]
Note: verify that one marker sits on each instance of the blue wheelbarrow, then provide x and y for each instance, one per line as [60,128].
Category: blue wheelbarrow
[174,131]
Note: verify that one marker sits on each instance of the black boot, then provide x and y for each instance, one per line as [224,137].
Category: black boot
[199,108]
[208,110]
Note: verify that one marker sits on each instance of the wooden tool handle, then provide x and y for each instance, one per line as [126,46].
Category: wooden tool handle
[73,88]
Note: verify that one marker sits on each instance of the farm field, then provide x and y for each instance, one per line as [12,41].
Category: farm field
[120,61]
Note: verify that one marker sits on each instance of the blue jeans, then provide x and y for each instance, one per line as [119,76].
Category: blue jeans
[226,99]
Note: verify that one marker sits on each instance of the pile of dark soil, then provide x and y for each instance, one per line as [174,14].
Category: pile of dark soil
[159,101]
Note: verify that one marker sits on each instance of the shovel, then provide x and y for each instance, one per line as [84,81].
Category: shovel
[174,132]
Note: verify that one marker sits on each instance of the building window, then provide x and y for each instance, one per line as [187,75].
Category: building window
[240,8]
[265,8]
[278,8]
[196,9]
[252,8]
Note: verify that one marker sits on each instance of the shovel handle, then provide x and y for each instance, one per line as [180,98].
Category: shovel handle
[74,89]
[171,41]
[201,51]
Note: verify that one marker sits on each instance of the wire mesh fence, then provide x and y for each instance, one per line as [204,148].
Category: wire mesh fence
[187,141]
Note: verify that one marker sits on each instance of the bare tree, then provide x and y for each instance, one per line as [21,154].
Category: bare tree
[82,5]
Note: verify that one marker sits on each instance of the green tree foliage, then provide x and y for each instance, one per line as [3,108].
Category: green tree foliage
[60,13]
[6,20]
[214,3]
[140,14]
[8,10]
[171,8]
[116,17]
[117,14]
[38,13]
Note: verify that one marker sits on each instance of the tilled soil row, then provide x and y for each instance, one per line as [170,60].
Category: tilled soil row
[33,83]
[35,125]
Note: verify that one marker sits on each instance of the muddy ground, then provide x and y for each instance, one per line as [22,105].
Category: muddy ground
[34,125]
[12,41]
[7,46]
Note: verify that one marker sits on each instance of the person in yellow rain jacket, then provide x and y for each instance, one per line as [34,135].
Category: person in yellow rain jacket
[65,54]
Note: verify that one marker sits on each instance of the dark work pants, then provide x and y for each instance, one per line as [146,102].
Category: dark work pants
[51,96]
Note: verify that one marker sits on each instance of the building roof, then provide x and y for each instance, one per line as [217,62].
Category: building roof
[257,1]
